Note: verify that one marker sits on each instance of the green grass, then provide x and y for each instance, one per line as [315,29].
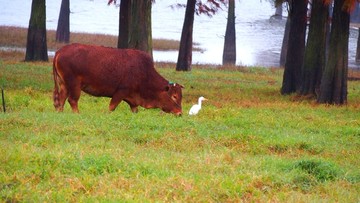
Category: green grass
[248,143]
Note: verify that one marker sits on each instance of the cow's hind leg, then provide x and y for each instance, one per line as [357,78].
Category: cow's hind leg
[62,96]
[74,95]
[60,93]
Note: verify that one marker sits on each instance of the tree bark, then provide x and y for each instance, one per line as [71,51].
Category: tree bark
[185,51]
[357,57]
[229,54]
[285,42]
[124,24]
[63,27]
[296,47]
[36,48]
[278,12]
[333,88]
[315,52]
[355,14]
[140,36]
[135,25]
[355,18]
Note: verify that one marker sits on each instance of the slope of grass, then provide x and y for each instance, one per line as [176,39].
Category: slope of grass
[248,143]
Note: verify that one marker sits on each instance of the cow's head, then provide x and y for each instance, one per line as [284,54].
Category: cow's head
[173,97]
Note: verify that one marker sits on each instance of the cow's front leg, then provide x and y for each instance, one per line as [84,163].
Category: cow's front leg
[115,100]
[133,105]
[134,109]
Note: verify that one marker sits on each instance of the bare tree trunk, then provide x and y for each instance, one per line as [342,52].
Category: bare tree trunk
[357,57]
[135,25]
[124,24]
[185,51]
[355,18]
[328,29]
[284,46]
[278,12]
[333,88]
[140,36]
[315,52]
[355,14]
[295,53]
[36,48]
[63,27]
[229,54]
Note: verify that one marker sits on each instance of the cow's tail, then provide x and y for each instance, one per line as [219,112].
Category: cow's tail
[56,95]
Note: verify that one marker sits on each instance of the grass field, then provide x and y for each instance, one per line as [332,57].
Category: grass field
[248,143]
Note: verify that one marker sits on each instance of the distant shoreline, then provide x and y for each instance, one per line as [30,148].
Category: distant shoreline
[13,39]
[13,36]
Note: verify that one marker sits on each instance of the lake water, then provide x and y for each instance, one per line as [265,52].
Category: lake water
[258,43]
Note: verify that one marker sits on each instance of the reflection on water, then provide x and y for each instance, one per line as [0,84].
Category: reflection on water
[258,43]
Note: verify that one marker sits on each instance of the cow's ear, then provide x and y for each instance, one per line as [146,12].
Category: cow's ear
[169,85]
[167,88]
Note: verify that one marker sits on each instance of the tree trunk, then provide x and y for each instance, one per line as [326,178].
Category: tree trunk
[140,36]
[296,47]
[36,48]
[285,42]
[135,25]
[185,50]
[63,27]
[357,57]
[124,24]
[328,29]
[278,12]
[333,88]
[229,54]
[355,14]
[315,52]
[355,18]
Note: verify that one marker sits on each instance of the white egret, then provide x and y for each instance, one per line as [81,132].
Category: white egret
[196,108]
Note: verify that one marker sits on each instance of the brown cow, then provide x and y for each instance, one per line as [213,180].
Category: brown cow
[122,74]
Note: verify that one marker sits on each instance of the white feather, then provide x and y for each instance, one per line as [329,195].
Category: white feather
[196,108]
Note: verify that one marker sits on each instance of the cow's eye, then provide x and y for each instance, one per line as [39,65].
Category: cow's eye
[174,97]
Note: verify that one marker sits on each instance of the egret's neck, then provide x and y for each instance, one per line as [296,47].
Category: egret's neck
[199,103]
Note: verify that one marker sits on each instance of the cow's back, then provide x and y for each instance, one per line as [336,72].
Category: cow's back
[103,70]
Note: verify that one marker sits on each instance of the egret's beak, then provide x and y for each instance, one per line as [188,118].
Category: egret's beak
[205,99]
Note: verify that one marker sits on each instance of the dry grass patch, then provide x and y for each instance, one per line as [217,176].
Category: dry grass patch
[16,37]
